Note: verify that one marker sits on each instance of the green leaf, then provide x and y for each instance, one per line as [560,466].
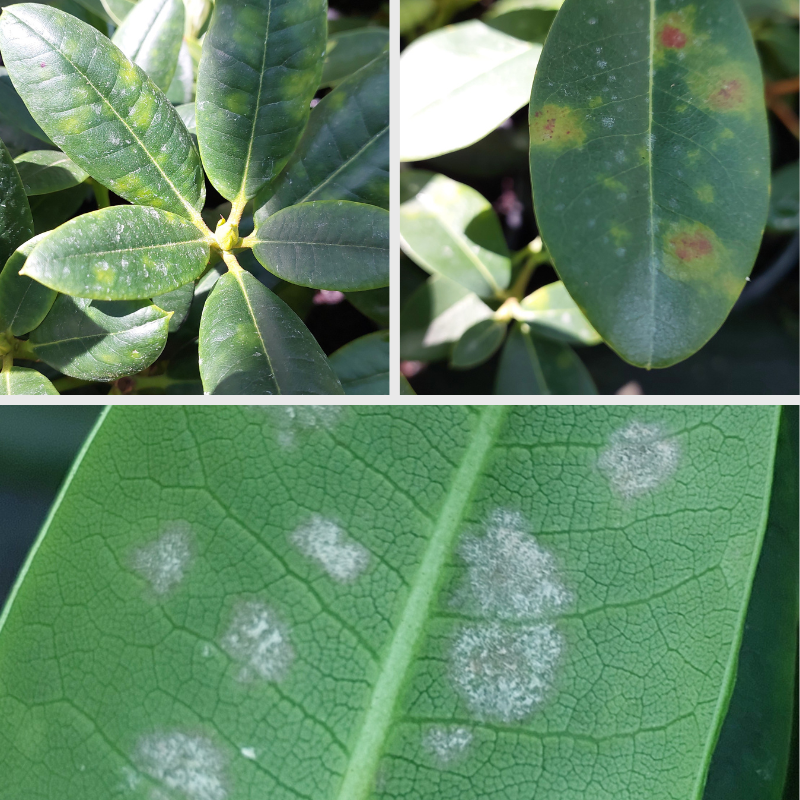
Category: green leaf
[120,253]
[436,316]
[358,603]
[374,303]
[118,9]
[459,83]
[415,12]
[178,301]
[344,152]
[524,20]
[13,110]
[83,342]
[478,344]
[51,210]
[362,366]
[151,36]
[330,244]
[260,67]
[533,365]
[251,342]
[450,229]
[101,109]
[24,303]
[784,204]
[187,114]
[405,386]
[349,51]
[95,7]
[16,222]
[181,90]
[751,757]
[552,312]
[46,171]
[20,380]
[650,168]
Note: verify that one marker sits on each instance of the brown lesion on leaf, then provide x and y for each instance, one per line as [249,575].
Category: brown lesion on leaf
[724,89]
[557,126]
[692,253]
[674,31]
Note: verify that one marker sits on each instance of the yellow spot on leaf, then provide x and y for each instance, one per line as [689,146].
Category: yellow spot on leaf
[556,127]
[595,102]
[705,193]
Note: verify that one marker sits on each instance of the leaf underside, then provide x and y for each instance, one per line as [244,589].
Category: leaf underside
[278,602]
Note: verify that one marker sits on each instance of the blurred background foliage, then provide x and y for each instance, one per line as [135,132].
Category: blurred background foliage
[755,351]
[359,320]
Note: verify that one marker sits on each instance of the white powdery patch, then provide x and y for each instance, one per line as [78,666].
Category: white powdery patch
[164,562]
[504,673]
[258,639]
[446,743]
[326,543]
[248,752]
[290,419]
[189,765]
[510,574]
[639,458]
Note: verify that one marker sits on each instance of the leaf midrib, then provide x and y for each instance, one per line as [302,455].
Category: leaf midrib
[359,777]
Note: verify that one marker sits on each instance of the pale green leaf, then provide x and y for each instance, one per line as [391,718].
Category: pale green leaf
[46,171]
[21,380]
[552,312]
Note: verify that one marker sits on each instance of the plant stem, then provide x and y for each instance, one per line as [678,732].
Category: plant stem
[23,349]
[237,209]
[231,262]
[100,194]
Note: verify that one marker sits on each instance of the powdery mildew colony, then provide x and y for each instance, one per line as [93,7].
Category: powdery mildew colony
[260,641]
[639,458]
[446,743]
[188,765]
[164,562]
[501,670]
[326,543]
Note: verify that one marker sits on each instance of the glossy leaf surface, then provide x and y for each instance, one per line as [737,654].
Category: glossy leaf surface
[436,316]
[45,171]
[458,84]
[478,344]
[13,110]
[120,253]
[24,303]
[251,342]
[344,152]
[81,341]
[181,90]
[21,380]
[374,303]
[286,585]
[530,364]
[186,111]
[100,109]
[118,9]
[16,222]
[552,312]
[650,166]
[362,366]
[260,67]
[348,51]
[331,244]
[178,301]
[450,229]
[151,36]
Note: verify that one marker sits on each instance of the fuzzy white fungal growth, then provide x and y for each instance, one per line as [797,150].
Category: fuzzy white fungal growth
[510,574]
[639,458]
[326,543]
[446,743]
[504,673]
[294,418]
[163,562]
[248,752]
[189,765]
[258,639]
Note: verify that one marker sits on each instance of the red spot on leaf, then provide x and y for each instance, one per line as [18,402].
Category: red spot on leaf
[672,37]
[538,114]
[689,246]
[729,95]
[42,64]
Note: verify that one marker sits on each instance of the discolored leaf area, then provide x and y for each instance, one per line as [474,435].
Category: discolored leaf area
[83,341]
[24,302]
[348,51]
[281,603]
[260,67]
[151,36]
[531,364]
[100,109]
[21,380]
[458,84]
[16,222]
[331,244]
[120,253]
[344,152]
[449,229]
[46,171]
[251,342]
[362,366]
[650,167]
